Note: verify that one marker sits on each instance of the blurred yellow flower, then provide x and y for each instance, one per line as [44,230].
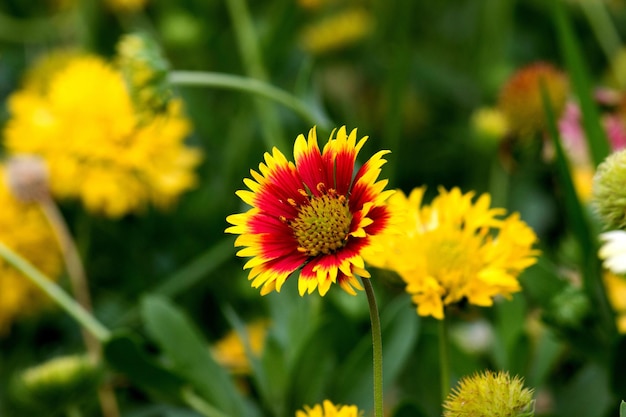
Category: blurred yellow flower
[126,6]
[81,120]
[24,229]
[328,410]
[489,123]
[616,292]
[230,351]
[337,31]
[454,249]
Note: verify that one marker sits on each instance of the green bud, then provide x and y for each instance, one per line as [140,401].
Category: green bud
[490,394]
[609,193]
[145,71]
[57,384]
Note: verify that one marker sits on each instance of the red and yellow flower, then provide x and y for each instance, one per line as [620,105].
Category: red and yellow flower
[314,214]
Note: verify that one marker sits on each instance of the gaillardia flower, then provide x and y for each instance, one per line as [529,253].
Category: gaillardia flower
[99,147]
[454,249]
[329,410]
[490,394]
[521,100]
[315,214]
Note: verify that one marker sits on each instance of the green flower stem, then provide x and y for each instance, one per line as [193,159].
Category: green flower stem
[251,55]
[444,360]
[55,292]
[199,404]
[248,85]
[377,342]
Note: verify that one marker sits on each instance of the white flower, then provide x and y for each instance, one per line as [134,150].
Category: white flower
[613,251]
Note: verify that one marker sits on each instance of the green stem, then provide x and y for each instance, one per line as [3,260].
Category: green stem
[444,361]
[199,404]
[606,34]
[377,342]
[251,55]
[55,292]
[248,85]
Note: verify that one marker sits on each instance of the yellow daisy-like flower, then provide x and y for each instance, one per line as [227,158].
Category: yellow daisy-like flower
[456,249]
[230,351]
[329,410]
[490,394]
[82,122]
[25,230]
[316,214]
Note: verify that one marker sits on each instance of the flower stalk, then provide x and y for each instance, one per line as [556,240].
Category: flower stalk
[248,85]
[377,343]
[60,297]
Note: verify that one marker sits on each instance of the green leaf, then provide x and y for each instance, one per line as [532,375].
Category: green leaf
[187,351]
[578,221]
[622,409]
[587,394]
[124,354]
[596,138]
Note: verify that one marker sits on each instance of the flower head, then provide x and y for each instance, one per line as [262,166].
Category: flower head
[490,394]
[24,229]
[315,214]
[609,195]
[329,410]
[455,249]
[521,100]
[81,120]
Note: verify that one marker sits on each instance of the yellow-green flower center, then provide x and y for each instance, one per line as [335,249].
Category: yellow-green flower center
[322,227]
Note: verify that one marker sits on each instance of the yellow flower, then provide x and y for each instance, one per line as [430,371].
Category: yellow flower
[24,229]
[125,6]
[230,351]
[616,292]
[490,123]
[82,122]
[329,410]
[337,31]
[490,394]
[454,249]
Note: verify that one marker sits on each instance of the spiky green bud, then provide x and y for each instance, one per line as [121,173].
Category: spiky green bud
[490,394]
[609,192]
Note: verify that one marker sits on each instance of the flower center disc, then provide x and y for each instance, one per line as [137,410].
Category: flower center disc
[323,226]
